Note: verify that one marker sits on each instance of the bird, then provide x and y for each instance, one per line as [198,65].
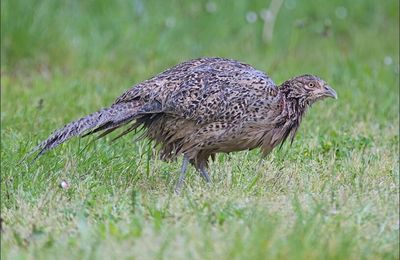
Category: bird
[202,107]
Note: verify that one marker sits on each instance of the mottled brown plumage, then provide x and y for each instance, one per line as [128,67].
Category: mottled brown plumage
[202,107]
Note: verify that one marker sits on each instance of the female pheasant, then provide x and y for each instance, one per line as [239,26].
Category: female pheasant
[202,107]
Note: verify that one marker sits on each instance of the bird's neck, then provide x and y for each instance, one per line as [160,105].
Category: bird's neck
[295,105]
[293,108]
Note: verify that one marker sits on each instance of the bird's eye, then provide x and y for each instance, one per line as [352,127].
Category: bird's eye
[311,85]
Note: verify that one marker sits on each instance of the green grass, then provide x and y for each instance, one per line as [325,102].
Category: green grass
[334,194]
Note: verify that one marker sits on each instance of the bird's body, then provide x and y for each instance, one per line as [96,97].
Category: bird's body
[202,107]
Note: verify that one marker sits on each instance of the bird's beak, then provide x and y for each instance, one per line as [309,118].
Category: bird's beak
[329,92]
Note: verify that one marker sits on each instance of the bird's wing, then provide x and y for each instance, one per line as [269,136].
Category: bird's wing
[206,90]
[224,92]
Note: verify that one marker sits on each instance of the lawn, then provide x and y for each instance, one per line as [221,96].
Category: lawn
[333,194]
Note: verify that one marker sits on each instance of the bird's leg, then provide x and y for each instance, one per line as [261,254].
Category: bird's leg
[204,173]
[183,173]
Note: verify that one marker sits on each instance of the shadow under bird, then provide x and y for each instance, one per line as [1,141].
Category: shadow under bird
[202,107]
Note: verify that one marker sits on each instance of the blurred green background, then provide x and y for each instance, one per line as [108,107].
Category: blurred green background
[120,36]
[333,194]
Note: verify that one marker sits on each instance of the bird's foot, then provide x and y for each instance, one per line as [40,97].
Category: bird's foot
[204,173]
[181,179]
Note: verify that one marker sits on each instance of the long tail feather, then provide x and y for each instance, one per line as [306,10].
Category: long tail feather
[104,119]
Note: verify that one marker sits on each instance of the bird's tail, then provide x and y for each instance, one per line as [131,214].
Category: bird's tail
[104,119]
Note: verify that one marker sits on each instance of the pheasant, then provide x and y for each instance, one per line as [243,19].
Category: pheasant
[202,107]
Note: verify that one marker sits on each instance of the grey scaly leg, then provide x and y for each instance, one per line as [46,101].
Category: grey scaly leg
[182,175]
[204,173]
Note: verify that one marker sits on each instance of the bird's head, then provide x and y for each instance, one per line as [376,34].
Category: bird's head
[308,88]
